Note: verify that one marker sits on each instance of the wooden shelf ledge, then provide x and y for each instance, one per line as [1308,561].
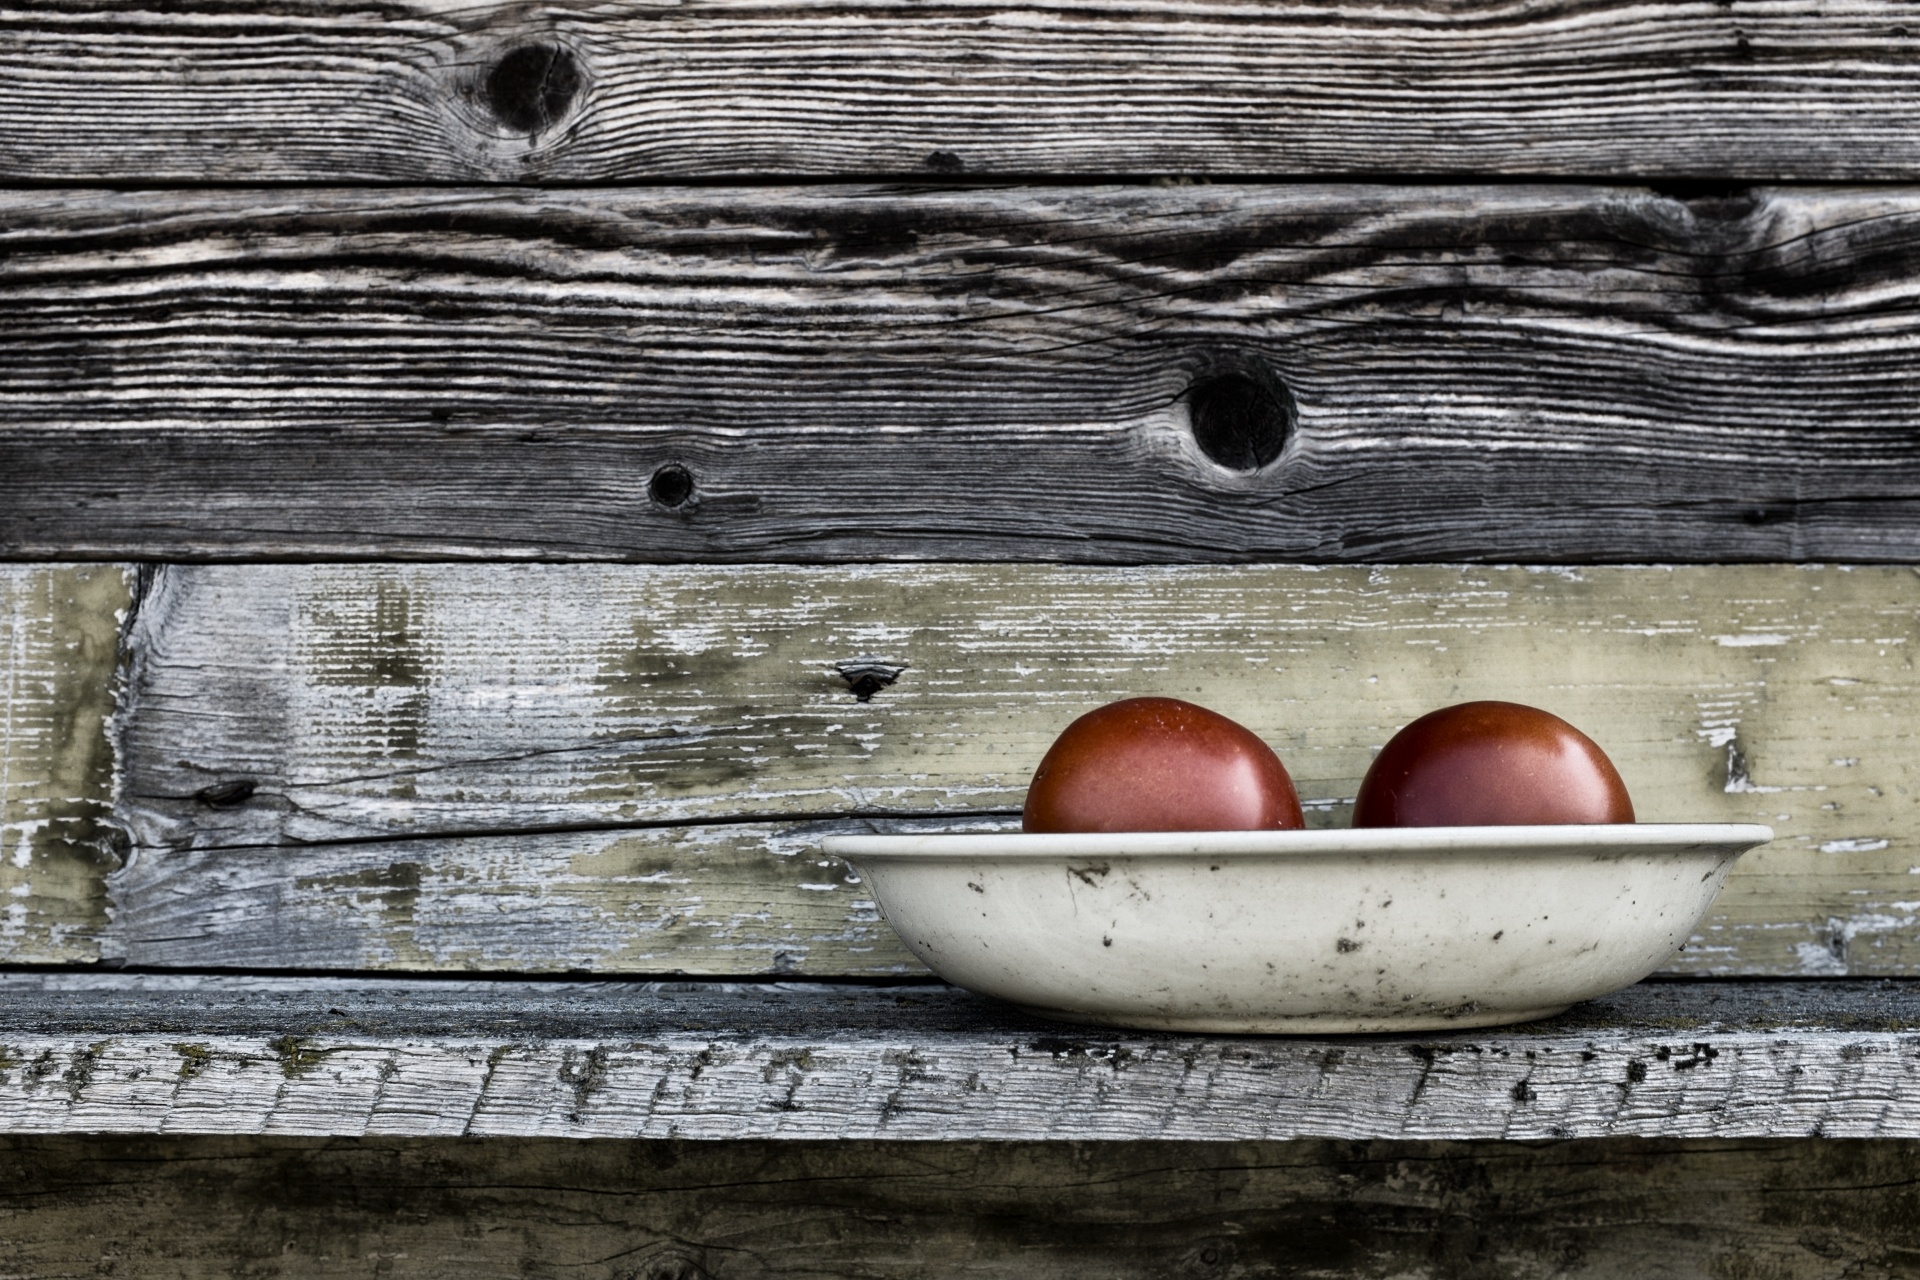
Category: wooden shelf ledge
[243,1055]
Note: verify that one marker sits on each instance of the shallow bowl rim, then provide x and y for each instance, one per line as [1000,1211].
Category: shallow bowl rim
[1641,837]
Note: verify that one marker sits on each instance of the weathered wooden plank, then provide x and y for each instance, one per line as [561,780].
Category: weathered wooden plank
[352,767]
[59,628]
[309,1208]
[101,1003]
[809,1061]
[752,898]
[424,89]
[1486,374]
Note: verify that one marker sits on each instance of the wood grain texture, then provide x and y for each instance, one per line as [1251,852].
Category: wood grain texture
[628,769]
[817,1061]
[460,1208]
[755,898]
[316,90]
[848,374]
[59,627]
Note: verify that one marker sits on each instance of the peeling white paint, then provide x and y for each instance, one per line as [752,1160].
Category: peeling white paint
[1817,960]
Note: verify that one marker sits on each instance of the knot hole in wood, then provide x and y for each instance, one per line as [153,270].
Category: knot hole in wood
[1213,1257]
[532,86]
[667,1264]
[1241,417]
[671,486]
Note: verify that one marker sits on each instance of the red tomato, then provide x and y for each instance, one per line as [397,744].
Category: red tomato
[1490,764]
[1159,764]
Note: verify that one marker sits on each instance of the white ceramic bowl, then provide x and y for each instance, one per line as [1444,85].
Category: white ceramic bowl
[1300,931]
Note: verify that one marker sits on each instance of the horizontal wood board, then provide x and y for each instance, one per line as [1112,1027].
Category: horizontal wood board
[1492,373]
[463,1208]
[814,1061]
[628,769]
[58,635]
[100,1002]
[428,89]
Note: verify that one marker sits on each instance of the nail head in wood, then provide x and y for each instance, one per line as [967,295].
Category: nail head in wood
[671,486]
[1241,417]
[532,86]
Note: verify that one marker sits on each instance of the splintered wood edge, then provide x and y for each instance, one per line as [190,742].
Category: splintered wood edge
[1678,1076]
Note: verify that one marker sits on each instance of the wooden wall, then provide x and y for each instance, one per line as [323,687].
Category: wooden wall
[485,488]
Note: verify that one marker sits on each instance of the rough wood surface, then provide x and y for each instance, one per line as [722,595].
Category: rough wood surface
[1479,373]
[58,634]
[628,769]
[753,898]
[428,89]
[459,1208]
[715,1061]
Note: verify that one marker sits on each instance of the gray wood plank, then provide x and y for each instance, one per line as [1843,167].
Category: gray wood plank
[629,769]
[83,1002]
[573,91]
[1307,1210]
[714,1062]
[1477,373]
[711,898]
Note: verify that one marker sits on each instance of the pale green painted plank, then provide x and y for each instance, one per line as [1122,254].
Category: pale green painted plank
[450,714]
[59,627]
